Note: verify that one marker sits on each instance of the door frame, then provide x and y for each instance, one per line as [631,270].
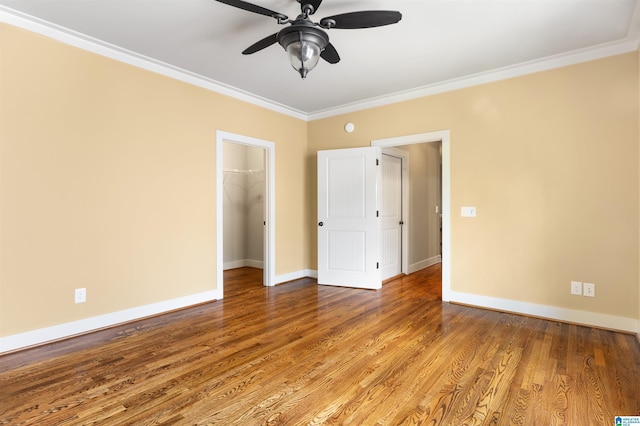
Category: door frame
[442,136]
[269,199]
[404,156]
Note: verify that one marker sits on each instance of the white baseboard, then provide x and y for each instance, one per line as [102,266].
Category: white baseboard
[243,263]
[415,267]
[61,331]
[259,264]
[611,322]
[304,273]
[233,264]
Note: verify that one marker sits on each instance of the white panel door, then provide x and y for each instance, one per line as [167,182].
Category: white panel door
[390,197]
[348,233]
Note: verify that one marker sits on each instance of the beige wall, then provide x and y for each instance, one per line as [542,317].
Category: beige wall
[107,181]
[550,160]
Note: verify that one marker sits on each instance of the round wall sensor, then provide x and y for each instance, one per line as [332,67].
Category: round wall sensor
[349,127]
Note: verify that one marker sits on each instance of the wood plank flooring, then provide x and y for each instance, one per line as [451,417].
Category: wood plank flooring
[302,354]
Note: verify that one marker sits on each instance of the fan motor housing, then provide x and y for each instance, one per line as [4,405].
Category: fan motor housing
[302,32]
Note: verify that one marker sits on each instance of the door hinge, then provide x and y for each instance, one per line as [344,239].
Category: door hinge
[377,162]
[377,265]
[377,213]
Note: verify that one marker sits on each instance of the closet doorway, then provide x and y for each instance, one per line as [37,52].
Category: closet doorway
[245,205]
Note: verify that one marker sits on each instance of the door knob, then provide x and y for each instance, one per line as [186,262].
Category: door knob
[320,224]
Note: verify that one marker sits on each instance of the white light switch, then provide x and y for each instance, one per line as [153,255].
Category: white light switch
[468,212]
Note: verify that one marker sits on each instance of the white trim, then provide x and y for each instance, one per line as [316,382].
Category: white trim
[270,203]
[94,45]
[291,276]
[82,41]
[234,264]
[545,64]
[258,264]
[444,137]
[593,319]
[415,267]
[61,331]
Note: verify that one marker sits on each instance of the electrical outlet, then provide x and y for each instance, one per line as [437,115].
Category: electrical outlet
[589,290]
[81,295]
[576,288]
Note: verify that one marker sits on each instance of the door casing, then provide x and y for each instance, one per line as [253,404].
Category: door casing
[442,136]
[270,198]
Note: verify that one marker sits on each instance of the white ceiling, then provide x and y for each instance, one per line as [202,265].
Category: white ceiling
[437,42]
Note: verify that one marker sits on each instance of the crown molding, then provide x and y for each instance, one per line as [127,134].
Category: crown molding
[626,45]
[558,61]
[91,44]
[82,41]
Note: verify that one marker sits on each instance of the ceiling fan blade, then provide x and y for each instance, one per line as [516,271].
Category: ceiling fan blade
[314,3]
[363,19]
[330,54]
[265,42]
[253,8]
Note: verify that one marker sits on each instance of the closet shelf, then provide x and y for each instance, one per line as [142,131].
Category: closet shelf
[243,172]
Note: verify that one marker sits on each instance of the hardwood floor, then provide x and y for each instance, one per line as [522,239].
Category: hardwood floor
[306,354]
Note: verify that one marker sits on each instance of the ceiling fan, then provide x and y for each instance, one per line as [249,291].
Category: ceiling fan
[306,41]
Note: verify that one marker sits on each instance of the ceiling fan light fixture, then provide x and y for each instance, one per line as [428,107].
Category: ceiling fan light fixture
[303,46]
[305,41]
[303,56]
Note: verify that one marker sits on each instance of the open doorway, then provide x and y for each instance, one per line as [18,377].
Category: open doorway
[243,206]
[245,199]
[443,218]
[410,197]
